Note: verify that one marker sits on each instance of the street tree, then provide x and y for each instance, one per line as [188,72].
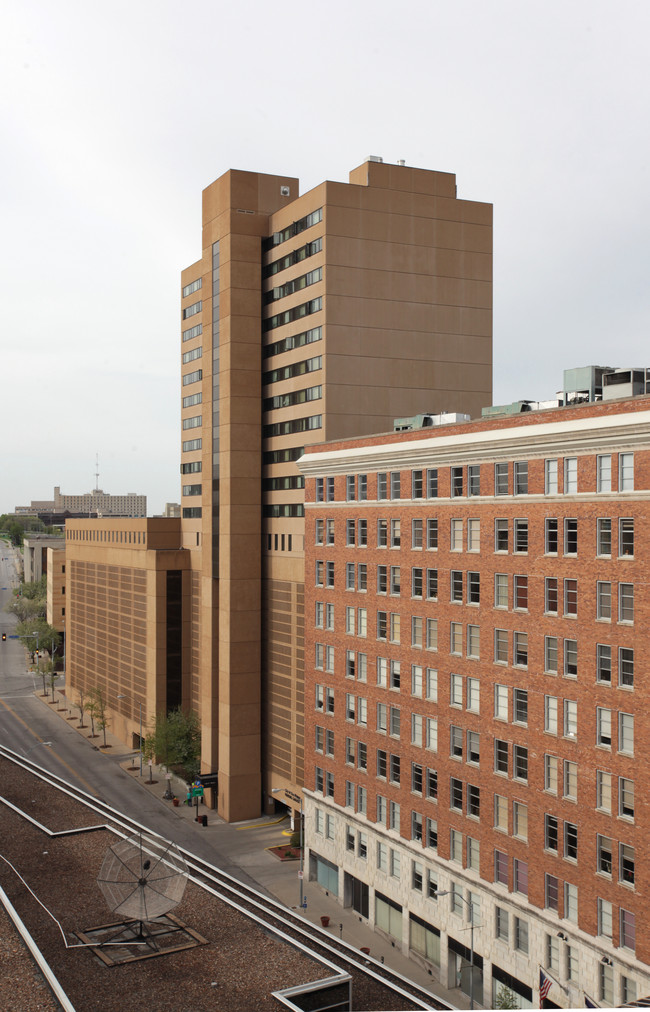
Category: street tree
[176,742]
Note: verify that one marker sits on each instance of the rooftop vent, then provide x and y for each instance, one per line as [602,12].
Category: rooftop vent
[375,158]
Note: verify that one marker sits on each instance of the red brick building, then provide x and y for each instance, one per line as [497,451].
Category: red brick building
[476,708]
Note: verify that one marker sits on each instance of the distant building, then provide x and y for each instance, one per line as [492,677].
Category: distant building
[35,554]
[95,503]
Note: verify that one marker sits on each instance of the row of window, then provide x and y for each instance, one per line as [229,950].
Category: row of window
[192,310]
[296,256]
[295,313]
[193,286]
[292,397]
[192,332]
[295,285]
[295,228]
[294,341]
[292,425]
[507,533]
[307,365]
[466,480]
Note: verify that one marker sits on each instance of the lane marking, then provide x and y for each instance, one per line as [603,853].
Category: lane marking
[261,825]
[88,787]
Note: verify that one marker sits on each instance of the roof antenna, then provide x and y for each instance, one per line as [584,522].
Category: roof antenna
[96,472]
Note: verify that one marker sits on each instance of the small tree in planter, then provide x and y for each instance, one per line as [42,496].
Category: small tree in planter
[82,705]
[98,710]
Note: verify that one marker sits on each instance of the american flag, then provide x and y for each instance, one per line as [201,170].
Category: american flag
[545,985]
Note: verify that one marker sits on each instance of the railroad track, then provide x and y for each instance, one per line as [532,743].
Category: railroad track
[271,915]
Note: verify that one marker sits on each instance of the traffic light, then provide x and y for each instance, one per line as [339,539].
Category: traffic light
[4,636]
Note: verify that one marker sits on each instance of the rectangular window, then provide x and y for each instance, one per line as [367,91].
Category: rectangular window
[501,479]
[570,475]
[501,816]
[501,702]
[395,580]
[473,695]
[362,532]
[349,576]
[501,868]
[520,877]
[571,536]
[570,597]
[456,536]
[432,584]
[550,477]
[350,532]
[626,864]
[520,706]
[550,595]
[626,537]
[455,690]
[432,634]
[521,593]
[416,631]
[362,487]
[604,472]
[521,935]
[456,794]
[473,535]
[626,667]
[432,836]
[500,756]
[432,533]
[603,727]
[473,588]
[520,762]
[473,479]
[550,536]
[521,536]
[551,834]
[416,680]
[432,483]
[456,579]
[550,654]
[473,801]
[570,718]
[605,925]
[551,898]
[604,791]
[626,733]
[501,925]
[603,600]
[626,798]
[416,534]
[551,764]
[603,663]
[626,472]
[604,855]
[521,477]
[432,734]
[570,780]
[382,534]
[604,536]
[500,590]
[417,780]
[570,841]
[432,684]
[417,485]
[570,658]
[550,714]
[455,638]
[520,645]
[395,534]
[362,577]
[626,602]
[500,535]
[455,742]
[627,933]
[456,481]
[501,646]
[394,484]
[382,485]
[473,747]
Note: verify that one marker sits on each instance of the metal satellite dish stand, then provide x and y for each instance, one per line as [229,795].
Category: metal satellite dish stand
[142,879]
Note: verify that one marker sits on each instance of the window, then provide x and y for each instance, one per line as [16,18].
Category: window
[382,857]
[382,625]
[500,590]
[604,855]
[570,718]
[394,816]
[521,536]
[350,532]
[455,690]
[456,481]
[394,863]
[500,535]
[628,990]
[432,483]
[432,684]
[416,680]
[362,808]
[501,479]
[520,876]
[474,862]
[626,733]
[521,935]
[603,663]
[362,577]
[626,798]
[329,574]
[570,780]
[571,536]
[382,672]
[456,794]
[520,820]
[349,751]
[382,533]
[551,654]
[432,634]
[604,727]
[456,854]
[362,531]
[350,659]
[350,487]
[432,836]
[570,597]
[473,749]
[570,841]
[432,584]
[550,536]
[604,472]
[395,668]
[455,742]
[395,580]
[550,714]
[501,924]
[456,578]
[382,718]
[501,702]
[416,778]
[625,472]
[456,536]
[382,485]
[627,933]
[473,480]
[550,477]
[551,765]
[501,646]
[603,600]
[571,902]
[501,815]
[520,762]
[455,638]
[605,925]
[550,595]
[349,576]
[500,756]
[382,764]
[417,876]
[570,658]
[626,864]
[416,534]
[395,534]
[521,477]
[432,784]
[394,484]
[500,868]
[550,833]
[417,485]
[603,791]
[625,666]
[626,537]
[473,695]
[474,588]
[520,706]
[604,536]
[521,593]
[473,801]
[416,827]
[570,475]
[432,734]
[394,721]
[606,984]
[362,756]
[520,645]
[416,631]
[626,602]
[432,533]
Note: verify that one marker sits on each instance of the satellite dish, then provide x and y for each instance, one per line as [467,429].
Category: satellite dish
[143,877]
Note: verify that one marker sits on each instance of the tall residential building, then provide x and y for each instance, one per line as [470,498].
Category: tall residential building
[476,711]
[95,502]
[307,318]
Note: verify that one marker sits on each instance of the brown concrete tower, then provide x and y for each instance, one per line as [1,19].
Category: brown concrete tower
[312,317]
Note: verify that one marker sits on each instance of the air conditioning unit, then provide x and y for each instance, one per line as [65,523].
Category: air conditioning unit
[285,191]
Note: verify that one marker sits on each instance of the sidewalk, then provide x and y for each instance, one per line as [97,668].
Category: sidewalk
[248,846]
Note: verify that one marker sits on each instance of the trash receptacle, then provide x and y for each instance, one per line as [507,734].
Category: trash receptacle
[204,820]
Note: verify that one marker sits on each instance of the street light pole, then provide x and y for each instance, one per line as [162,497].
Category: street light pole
[470,906]
[278,790]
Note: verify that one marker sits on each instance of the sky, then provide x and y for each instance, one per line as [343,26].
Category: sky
[114,117]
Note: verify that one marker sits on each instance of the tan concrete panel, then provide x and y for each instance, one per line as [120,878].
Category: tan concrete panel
[363,283]
[366,345]
[408,204]
[245,437]
[241,594]
[403,177]
[416,231]
[383,256]
[407,316]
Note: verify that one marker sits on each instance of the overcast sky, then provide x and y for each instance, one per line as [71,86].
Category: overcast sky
[116,116]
